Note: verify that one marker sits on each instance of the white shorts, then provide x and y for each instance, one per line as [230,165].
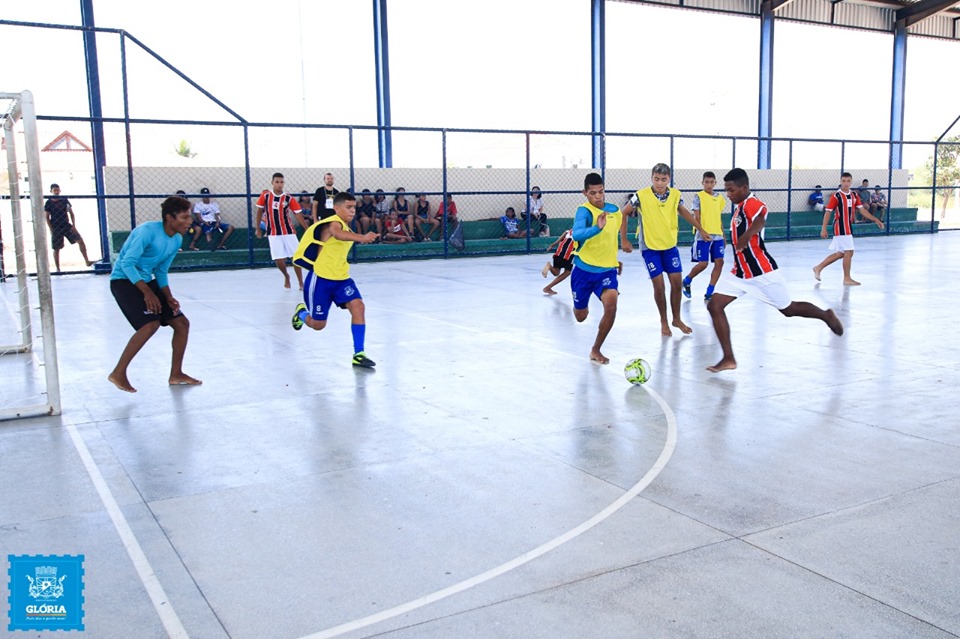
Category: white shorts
[841,243]
[770,288]
[282,246]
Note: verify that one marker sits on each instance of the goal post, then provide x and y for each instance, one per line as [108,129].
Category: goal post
[34,350]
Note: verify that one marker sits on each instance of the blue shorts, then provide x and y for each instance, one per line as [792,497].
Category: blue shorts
[583,283]
[320,293]
[658,262]
[711,251]
[212,226]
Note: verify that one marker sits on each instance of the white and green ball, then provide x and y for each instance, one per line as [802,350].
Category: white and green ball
[637,371]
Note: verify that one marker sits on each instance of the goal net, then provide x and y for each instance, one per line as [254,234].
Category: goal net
[29,377]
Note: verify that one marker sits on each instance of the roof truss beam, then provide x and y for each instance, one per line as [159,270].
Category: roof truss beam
[922,10]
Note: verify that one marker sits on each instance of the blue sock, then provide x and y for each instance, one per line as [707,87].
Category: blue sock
[709,290]
[686,281]
[359,331]
[302,314]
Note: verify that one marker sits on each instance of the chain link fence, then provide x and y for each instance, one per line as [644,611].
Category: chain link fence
[454,192]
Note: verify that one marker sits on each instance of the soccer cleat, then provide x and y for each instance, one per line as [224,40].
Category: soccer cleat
[360,359]
[295,321]
[686,290]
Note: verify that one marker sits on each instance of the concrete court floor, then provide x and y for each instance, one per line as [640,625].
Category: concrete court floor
[813,492]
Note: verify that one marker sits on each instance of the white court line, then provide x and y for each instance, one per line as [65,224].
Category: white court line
[161,603]
[623,500]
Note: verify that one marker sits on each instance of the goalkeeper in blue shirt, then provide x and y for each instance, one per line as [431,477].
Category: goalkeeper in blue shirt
[139,284]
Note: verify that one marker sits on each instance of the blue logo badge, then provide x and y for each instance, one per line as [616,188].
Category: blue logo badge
[46,592]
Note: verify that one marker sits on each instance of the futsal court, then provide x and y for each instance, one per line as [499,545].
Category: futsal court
[487,479]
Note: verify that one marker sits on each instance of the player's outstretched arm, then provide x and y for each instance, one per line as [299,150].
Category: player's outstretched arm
[345,235]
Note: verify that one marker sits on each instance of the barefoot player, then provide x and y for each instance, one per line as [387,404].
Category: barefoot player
[139,284]
[754,271]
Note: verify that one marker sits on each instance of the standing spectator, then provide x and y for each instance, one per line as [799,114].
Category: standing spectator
[274,207]
[365,211]
[62,225]
[423,217]
[536,218]
[323,199]
[815,201]
[878,203]
[864,194]
[209,214]
[140,286]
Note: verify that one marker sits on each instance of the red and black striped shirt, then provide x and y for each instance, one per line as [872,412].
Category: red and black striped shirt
[843,205]
[753,260]
[276,209]
[567,246]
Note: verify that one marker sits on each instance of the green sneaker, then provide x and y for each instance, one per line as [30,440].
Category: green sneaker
[360,359]
[295,321]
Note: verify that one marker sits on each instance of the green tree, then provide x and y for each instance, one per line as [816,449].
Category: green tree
[948,169]
[183,149]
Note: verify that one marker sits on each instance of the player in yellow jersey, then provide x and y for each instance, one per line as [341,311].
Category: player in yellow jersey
[323,253]
[707,207]
[658,207]
[595,265]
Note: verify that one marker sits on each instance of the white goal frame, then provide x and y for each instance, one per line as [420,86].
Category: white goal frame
[22,110]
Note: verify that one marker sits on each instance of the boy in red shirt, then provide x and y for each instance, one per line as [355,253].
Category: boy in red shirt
[843,204]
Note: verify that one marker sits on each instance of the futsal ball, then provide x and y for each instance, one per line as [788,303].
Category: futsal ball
[637,371]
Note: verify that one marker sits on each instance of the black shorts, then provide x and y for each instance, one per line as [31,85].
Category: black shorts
[559,262]
[134,306]
[57,235]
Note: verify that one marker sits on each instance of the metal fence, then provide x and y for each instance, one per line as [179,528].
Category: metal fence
[484,172]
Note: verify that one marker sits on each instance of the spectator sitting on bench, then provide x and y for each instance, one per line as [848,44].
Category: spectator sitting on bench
[878,203]
[511,225]
[423,217]
[366,210]
[865,194]
[815,201]
[395,230]
[208,212]
[448,209]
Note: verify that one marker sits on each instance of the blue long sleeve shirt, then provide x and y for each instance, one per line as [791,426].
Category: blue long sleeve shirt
[147,254]
[583,230]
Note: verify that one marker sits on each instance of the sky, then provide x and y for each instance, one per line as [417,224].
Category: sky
[513,64]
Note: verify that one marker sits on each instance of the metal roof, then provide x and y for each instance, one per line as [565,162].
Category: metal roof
[931,18]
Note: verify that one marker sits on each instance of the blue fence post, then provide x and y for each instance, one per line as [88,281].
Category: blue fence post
[96,123]
[671,160]
[443,218]
[126,128]
[789,187]
[733,160]
[843,156]
[890,192]
[526,194]
[933,197]
[251,228]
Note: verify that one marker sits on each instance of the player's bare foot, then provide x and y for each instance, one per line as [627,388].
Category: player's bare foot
[598,357]
[545,270]
[91,262]
[286,282]
[816,273]
[549,291]
[665,330]
[850,282]
[723,365]
[184,380]
[121,382]
[686,330]
[834,322]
